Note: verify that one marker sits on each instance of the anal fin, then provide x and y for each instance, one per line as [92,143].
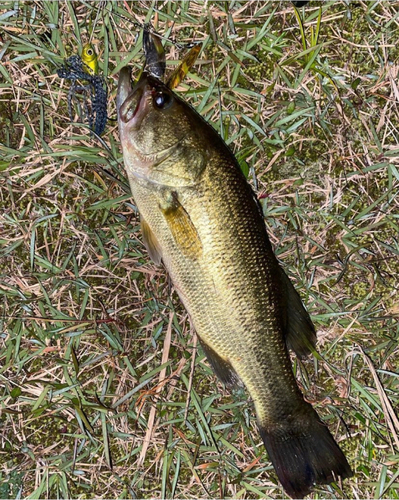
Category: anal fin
[300,333]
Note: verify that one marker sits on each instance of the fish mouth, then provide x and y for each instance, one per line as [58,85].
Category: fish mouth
[132,103]
[124,87]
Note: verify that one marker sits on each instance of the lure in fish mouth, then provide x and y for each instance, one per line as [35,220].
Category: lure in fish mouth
[201,218]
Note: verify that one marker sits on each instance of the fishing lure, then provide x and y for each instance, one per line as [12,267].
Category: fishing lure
[103,8]
[184,67]
[154,53]
[84,68]
[155,58]
[90,59]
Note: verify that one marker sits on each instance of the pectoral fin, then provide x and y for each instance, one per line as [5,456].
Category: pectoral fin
[151,243]
[223,369]
[300,334]
[181,226]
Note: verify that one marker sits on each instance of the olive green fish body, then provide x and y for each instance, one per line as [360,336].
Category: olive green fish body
[229,294]
[201,218]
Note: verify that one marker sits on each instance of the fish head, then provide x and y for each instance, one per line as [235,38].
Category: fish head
[159,132]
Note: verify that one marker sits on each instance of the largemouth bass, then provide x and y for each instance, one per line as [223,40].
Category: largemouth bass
[203,221]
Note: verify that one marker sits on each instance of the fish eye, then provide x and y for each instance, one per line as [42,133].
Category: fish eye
[162,99]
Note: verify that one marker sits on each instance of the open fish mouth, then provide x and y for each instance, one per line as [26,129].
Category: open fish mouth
[132,103]
[124,87]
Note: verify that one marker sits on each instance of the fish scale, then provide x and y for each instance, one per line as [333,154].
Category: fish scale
[208,296]
[202,220]
[256,311]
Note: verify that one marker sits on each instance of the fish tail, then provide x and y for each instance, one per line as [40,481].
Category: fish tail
[303,454]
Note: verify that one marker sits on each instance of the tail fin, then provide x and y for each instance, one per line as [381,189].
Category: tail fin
[304,454]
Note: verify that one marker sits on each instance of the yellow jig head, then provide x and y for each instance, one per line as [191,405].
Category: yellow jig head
[90,59]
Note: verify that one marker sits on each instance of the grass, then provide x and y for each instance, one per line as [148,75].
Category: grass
[103,390]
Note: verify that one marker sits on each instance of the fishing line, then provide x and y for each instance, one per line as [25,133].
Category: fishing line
[137,24]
